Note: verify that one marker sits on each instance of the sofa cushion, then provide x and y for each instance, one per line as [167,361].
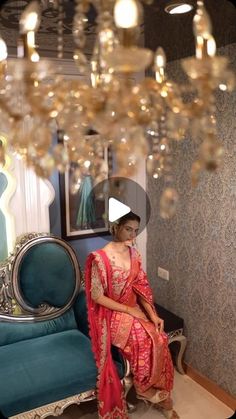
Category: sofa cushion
[46,369]
[46,274]
[11,332]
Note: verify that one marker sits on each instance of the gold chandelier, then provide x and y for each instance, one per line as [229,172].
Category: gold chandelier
[138,120]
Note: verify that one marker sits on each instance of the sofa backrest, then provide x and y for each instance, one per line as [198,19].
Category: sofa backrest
[11,332]
[46,275]
[42,282]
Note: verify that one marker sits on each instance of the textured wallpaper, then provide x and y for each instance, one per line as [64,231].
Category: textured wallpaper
[198,247]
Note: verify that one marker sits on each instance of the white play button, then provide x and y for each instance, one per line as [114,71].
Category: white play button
[116,209]
[106,203]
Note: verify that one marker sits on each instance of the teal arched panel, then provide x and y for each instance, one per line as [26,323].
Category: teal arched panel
[3,232]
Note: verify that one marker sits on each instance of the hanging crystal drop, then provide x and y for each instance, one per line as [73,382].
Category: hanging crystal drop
[80,61]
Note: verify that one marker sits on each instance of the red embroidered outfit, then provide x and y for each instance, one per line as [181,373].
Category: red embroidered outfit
[146,350]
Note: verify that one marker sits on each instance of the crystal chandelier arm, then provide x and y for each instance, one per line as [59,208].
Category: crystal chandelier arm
[202,29]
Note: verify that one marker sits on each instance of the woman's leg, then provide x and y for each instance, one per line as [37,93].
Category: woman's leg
[150,361]
[151,366]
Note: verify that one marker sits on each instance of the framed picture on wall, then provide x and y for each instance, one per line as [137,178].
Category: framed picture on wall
[84,207]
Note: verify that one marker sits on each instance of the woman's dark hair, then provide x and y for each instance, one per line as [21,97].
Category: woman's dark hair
[131,216]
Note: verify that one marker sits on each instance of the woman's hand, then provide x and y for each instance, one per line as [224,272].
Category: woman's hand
[136,312]
[129,243]
[159,323]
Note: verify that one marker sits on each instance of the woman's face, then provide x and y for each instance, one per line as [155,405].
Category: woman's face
[127,231]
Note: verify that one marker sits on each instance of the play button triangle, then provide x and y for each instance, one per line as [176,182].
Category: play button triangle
[116,209]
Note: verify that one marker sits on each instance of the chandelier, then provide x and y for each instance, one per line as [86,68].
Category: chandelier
[137,120]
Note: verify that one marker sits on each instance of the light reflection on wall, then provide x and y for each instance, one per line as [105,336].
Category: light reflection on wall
[5,200]
[3,233]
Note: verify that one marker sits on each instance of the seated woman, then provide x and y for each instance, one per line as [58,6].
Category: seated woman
[121,312]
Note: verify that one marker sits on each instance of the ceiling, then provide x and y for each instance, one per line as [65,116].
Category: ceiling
[172,32]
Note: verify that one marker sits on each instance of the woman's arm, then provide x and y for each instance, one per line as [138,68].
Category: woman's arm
[153,316]
[114,305]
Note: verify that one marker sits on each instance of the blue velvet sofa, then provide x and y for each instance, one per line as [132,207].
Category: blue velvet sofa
[45,352]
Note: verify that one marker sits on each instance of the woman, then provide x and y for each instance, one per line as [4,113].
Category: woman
[121,312]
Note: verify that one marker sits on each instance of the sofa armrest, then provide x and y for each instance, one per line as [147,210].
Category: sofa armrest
[80,310]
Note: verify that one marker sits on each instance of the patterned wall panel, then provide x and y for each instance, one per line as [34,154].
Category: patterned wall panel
[198,247]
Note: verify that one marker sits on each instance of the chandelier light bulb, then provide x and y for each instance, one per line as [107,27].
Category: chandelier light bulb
[3,50]
[31,22]
[205,47]
[211,46]
[160,58]
[126,14]
[159,65]
[30,18]
[27,48]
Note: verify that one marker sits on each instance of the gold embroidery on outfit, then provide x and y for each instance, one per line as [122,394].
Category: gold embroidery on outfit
[101,269]
[104,343]
[124,323]
[114,414]
[96,285]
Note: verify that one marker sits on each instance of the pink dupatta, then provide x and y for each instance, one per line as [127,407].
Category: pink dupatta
[111,402]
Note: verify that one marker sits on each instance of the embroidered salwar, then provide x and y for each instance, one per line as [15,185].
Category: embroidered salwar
[139,342]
